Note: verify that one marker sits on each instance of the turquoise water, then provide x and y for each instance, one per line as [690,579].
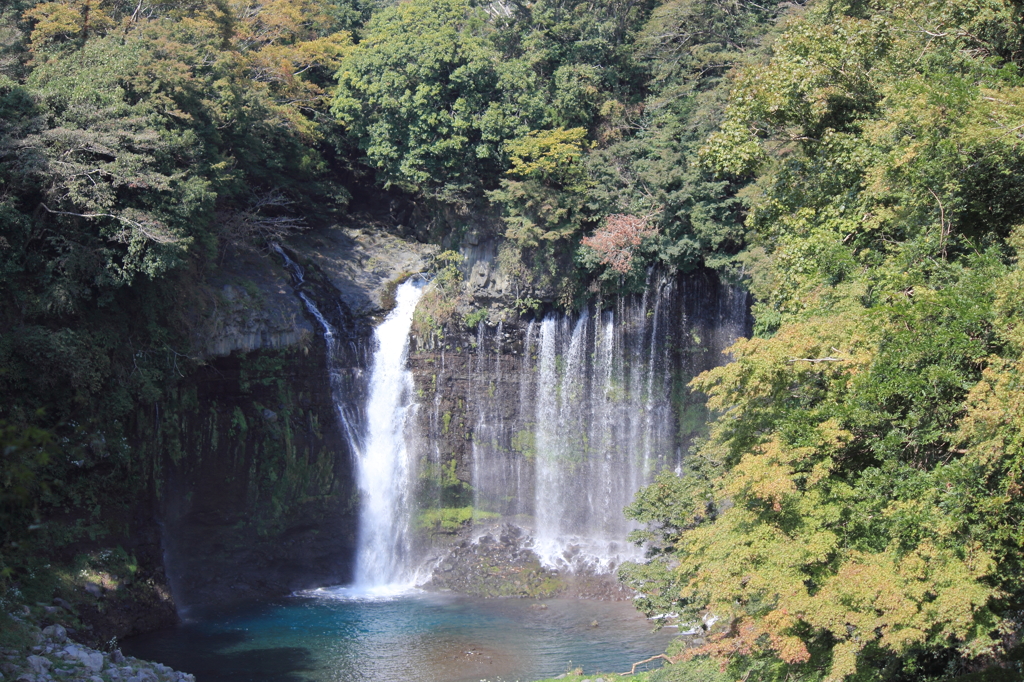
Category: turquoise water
[326,637]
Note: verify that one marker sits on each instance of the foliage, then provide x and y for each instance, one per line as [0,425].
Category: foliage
[444,294]
[136,141]
[451,519]
[473,319]
[542,196]
[849,515]
[415,95]
[512,107]
[555,115]
[23,452]
[617,241]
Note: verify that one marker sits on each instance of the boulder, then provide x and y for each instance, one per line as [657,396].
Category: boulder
[56,633]
[38,664]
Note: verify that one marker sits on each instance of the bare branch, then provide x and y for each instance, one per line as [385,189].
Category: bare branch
[150,233]
[632,670]
[253,223]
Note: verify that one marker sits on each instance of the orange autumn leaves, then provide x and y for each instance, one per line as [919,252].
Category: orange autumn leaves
[618,240]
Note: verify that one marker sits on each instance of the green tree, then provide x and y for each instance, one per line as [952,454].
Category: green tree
[418,97]
[848,515]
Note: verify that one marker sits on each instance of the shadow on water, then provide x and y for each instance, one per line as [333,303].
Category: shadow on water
[224,656]
[283,664]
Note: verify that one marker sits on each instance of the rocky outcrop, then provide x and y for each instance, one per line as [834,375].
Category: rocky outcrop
[362,262]
[52,656]
[500,562]
[248,304]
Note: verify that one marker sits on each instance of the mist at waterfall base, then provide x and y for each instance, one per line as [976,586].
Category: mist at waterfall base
[415,638]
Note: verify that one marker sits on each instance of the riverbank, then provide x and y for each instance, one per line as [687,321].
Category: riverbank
[34,654]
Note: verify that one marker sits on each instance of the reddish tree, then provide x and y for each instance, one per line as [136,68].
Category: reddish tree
[616,241]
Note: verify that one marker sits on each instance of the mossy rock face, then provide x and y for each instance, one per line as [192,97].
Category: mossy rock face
[258,490]
[498,564]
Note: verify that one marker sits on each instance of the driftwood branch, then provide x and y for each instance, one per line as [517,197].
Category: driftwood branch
[632,670]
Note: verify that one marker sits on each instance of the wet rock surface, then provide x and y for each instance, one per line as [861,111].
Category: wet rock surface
[122,610]
[496,564]
[259,501]
[363,262]
[502,563]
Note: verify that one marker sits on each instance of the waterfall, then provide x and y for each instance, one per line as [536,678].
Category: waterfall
[383,463]
[567,429]
[604,427]
[552,425]
[376,434]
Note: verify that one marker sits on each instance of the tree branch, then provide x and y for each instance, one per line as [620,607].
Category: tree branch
[153,236]
[646,660]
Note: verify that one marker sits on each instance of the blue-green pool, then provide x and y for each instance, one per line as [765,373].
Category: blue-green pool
[327,636]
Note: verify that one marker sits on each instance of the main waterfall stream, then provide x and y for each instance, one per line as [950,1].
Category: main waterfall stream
[383,559]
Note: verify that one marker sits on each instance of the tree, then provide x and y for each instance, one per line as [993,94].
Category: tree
[542,194]
[419,98]
[848,515]
[617,241]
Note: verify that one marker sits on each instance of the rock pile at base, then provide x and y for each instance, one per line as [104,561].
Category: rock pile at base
[499,564]
[54,658]
[502,563]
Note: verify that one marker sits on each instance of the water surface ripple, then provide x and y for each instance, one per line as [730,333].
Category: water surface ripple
[332,636]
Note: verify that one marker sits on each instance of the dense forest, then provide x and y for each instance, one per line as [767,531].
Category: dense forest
[854,512]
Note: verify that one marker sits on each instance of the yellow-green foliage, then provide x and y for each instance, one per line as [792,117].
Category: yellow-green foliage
[439,303]
[474,318]
[553,156]
[450,519]
[543,192]
[854,512]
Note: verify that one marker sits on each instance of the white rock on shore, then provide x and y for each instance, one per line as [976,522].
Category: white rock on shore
[55,658]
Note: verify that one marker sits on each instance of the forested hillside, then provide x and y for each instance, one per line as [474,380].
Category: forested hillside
[137,142]
[855,511]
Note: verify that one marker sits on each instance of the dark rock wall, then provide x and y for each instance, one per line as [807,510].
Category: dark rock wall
[256,492]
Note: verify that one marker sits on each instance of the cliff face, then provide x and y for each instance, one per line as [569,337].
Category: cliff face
[527,439]
[258,495]
[552,424]
[255,492]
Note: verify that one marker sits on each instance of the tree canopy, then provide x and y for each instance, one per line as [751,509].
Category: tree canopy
[853,513]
